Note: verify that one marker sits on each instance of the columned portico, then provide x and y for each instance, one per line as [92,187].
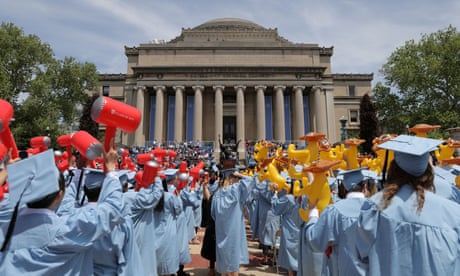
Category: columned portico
[139,134]
[159,112]
[218,115]
[299,124]
[198,113]
[179,113]
[280,128]
[240,125]
[261,132]
[237,80]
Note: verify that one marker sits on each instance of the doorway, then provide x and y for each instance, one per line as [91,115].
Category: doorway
[229,130]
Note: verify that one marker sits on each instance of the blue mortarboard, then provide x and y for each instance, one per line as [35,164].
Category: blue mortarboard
[169,174]
[352,177]
[411,153]
[34,178]
[123,176]
[93,178]
[228,172]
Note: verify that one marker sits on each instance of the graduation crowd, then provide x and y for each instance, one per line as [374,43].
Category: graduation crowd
[115,221]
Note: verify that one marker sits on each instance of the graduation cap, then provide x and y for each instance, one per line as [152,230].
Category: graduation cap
[33,178]
[169,174]
[30,180]
[228,172]
[352,178]
[411,153]
[93,178]
[123,176]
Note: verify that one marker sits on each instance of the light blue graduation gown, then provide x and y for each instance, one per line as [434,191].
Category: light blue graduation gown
[310,262]
[139,206]
[190,201]
[45,244]
[166,235]
[269,222]
[336,227]
[444,183]
[399,241]
[197,211]
[183,230]
[286,207]
[227,211]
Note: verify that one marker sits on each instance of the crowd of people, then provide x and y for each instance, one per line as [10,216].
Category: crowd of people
[90,221]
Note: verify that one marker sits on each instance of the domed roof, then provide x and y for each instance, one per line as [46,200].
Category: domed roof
[229,24]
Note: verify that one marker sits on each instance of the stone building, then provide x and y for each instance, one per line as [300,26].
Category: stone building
[231,79]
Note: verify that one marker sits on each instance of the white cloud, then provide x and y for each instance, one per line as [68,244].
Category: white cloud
[363,33]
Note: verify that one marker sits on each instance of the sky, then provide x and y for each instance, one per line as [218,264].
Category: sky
[363,33]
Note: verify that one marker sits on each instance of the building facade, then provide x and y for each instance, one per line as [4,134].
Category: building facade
[230,80]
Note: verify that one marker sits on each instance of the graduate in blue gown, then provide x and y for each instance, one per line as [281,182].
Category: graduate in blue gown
[166,214]
[286,206]
[406,229]
[43,243]
[116,253]
[333,233]
[227,211]
[139,206]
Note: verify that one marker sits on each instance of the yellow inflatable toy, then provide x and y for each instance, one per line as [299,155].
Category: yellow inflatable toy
[300,156]
[421,130]
[326,152]
[351,153]
[318,191]
[312,139]
[446,151]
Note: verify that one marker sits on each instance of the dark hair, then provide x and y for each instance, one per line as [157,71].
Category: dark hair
[92,194]
[397,177]
[46,201]
[161,203]
[342,191]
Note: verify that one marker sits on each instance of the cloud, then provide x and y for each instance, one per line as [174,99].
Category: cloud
[363,33]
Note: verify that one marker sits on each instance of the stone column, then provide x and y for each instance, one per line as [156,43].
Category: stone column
[240,124]
[218,117]
[179,114]
[159,113]
[331,120]
[260,112]
[198,113]
[299,124]
[139,134]
[320,122]
[280,128]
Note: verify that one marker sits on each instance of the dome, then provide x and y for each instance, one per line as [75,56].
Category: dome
[229,24]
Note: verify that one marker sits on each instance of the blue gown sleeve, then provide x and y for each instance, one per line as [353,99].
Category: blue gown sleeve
[245,185]
[148,198]
[79,230]
[323,230]
[367,226]
[282,204]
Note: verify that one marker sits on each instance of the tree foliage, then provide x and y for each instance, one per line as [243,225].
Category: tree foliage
[369,124]
[47,93]
[422,83]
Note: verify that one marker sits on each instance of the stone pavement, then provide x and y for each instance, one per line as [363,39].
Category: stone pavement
[199,266]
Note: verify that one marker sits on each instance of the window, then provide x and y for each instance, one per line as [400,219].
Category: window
[351,91]
[105,90]
[354,116]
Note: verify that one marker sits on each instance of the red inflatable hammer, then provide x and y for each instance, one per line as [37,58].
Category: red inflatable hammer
[114,114]
[6,113]
[40,142]
[87,145]
[65,141]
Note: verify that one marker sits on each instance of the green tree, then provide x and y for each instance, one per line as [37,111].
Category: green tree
[369,124]
[86,122]
[47,93]
[422,83]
